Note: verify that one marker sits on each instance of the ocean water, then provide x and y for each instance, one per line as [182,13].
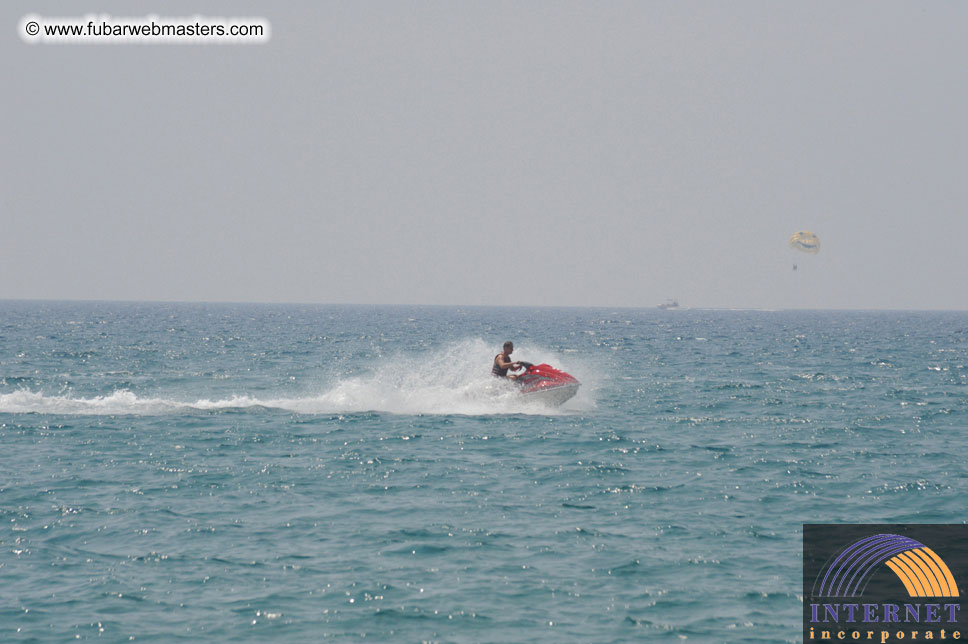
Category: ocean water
[244,473]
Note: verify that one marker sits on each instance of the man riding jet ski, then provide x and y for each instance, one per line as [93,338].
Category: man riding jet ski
[538,382]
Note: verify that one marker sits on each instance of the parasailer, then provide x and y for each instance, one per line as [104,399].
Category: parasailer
[805,242]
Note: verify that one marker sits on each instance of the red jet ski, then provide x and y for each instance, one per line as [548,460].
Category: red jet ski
[544,383]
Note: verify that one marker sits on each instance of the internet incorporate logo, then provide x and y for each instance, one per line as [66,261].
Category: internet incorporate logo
[891,569]
[919,568]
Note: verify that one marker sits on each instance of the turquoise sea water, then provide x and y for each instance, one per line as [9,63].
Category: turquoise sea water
[317,473]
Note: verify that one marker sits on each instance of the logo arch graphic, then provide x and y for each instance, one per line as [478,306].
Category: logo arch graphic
[922,572]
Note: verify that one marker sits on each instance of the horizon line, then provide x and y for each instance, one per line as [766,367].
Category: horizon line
[482,306]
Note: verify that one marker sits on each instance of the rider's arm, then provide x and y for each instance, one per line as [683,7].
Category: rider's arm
[503,362]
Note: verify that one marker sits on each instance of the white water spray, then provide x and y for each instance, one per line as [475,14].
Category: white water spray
[455,380]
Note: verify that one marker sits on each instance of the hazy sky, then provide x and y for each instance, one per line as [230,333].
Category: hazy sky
[520,153]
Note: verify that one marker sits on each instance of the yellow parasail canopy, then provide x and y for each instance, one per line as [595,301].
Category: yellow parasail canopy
[805,241]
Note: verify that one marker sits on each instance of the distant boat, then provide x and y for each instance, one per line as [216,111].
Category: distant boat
[669,304]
